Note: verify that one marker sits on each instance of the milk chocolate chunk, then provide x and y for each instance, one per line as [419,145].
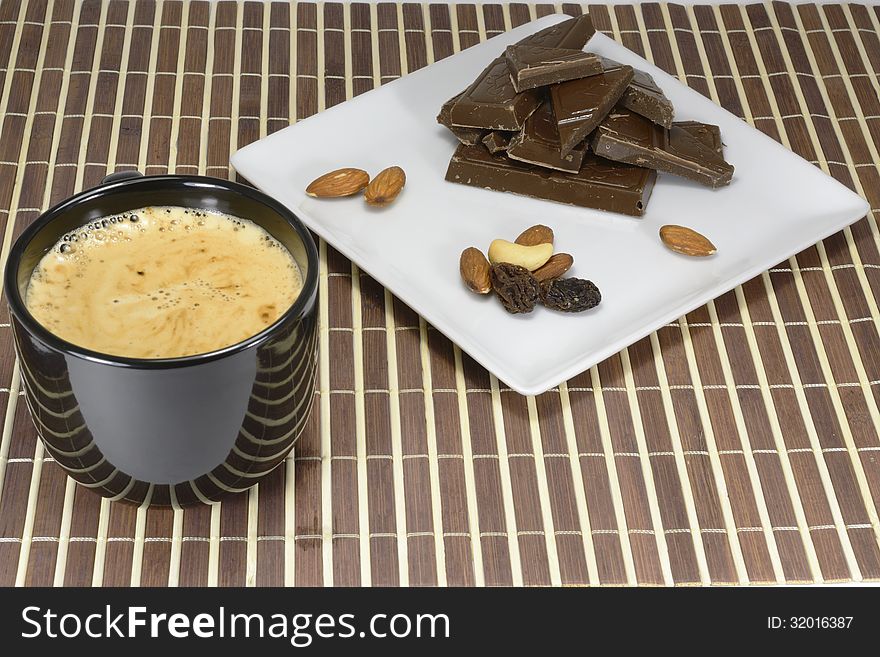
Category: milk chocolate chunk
[498,141]
[696,160]
[492,103]
[706,133]
[573,33]
[538,143]
[580,105]
[600,184]
[535,66]
[625,136]
[644,97]
[469,136]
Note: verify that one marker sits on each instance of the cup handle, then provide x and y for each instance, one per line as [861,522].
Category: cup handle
[121,175]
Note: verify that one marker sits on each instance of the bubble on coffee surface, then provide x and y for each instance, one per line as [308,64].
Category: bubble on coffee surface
[163,282]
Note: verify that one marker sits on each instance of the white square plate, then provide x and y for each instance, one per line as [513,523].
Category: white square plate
[777,205]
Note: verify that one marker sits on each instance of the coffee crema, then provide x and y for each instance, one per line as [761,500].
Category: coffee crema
[163,282]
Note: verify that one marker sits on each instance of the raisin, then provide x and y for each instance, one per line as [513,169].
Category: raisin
[570,295]
[515,286]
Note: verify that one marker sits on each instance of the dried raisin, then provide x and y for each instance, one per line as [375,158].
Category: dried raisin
[570,295]
[515,286]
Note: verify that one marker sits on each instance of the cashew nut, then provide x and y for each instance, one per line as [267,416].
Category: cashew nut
[530,257]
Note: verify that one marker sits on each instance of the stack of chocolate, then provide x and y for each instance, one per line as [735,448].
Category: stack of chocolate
[548,120]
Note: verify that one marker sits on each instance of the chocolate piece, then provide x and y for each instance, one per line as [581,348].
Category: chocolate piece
[538,143]
[706,133]
[697,161]
[573,33]
[600,184]
[623,130]
[534,66]
[580,105]
[469,136]
[644,97]
[625,136]
[498,141]
[492,103]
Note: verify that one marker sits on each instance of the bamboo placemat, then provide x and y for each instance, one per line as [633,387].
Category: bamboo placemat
[738,444]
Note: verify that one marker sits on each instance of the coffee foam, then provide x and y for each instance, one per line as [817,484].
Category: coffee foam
[163,282]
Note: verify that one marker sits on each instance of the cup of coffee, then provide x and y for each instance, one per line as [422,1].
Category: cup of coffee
[166,330]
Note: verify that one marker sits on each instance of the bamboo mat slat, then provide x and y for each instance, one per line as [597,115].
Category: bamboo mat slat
[736,445]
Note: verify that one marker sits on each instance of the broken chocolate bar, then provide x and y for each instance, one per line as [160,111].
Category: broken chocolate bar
[573,33]
[625,136]
[534,66]
[696,161]
[498,141]
[706,133]
[580,105]
[600,184]
[644,97]
[469,136]
[492,103]
[538,143]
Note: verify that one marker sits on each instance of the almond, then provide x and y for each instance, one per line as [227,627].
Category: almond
[556,266]
[475,270]
[385,187]
[686,241]
[538,234]
[342,182]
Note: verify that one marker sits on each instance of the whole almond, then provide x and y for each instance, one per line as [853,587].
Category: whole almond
[474,270]
[538,234]
[686,241]
[556,266]
[385,187]
[342,182]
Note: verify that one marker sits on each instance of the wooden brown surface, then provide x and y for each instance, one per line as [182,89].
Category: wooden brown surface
[739,444]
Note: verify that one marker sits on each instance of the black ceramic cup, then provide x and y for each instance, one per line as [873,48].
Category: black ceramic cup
[175,430]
